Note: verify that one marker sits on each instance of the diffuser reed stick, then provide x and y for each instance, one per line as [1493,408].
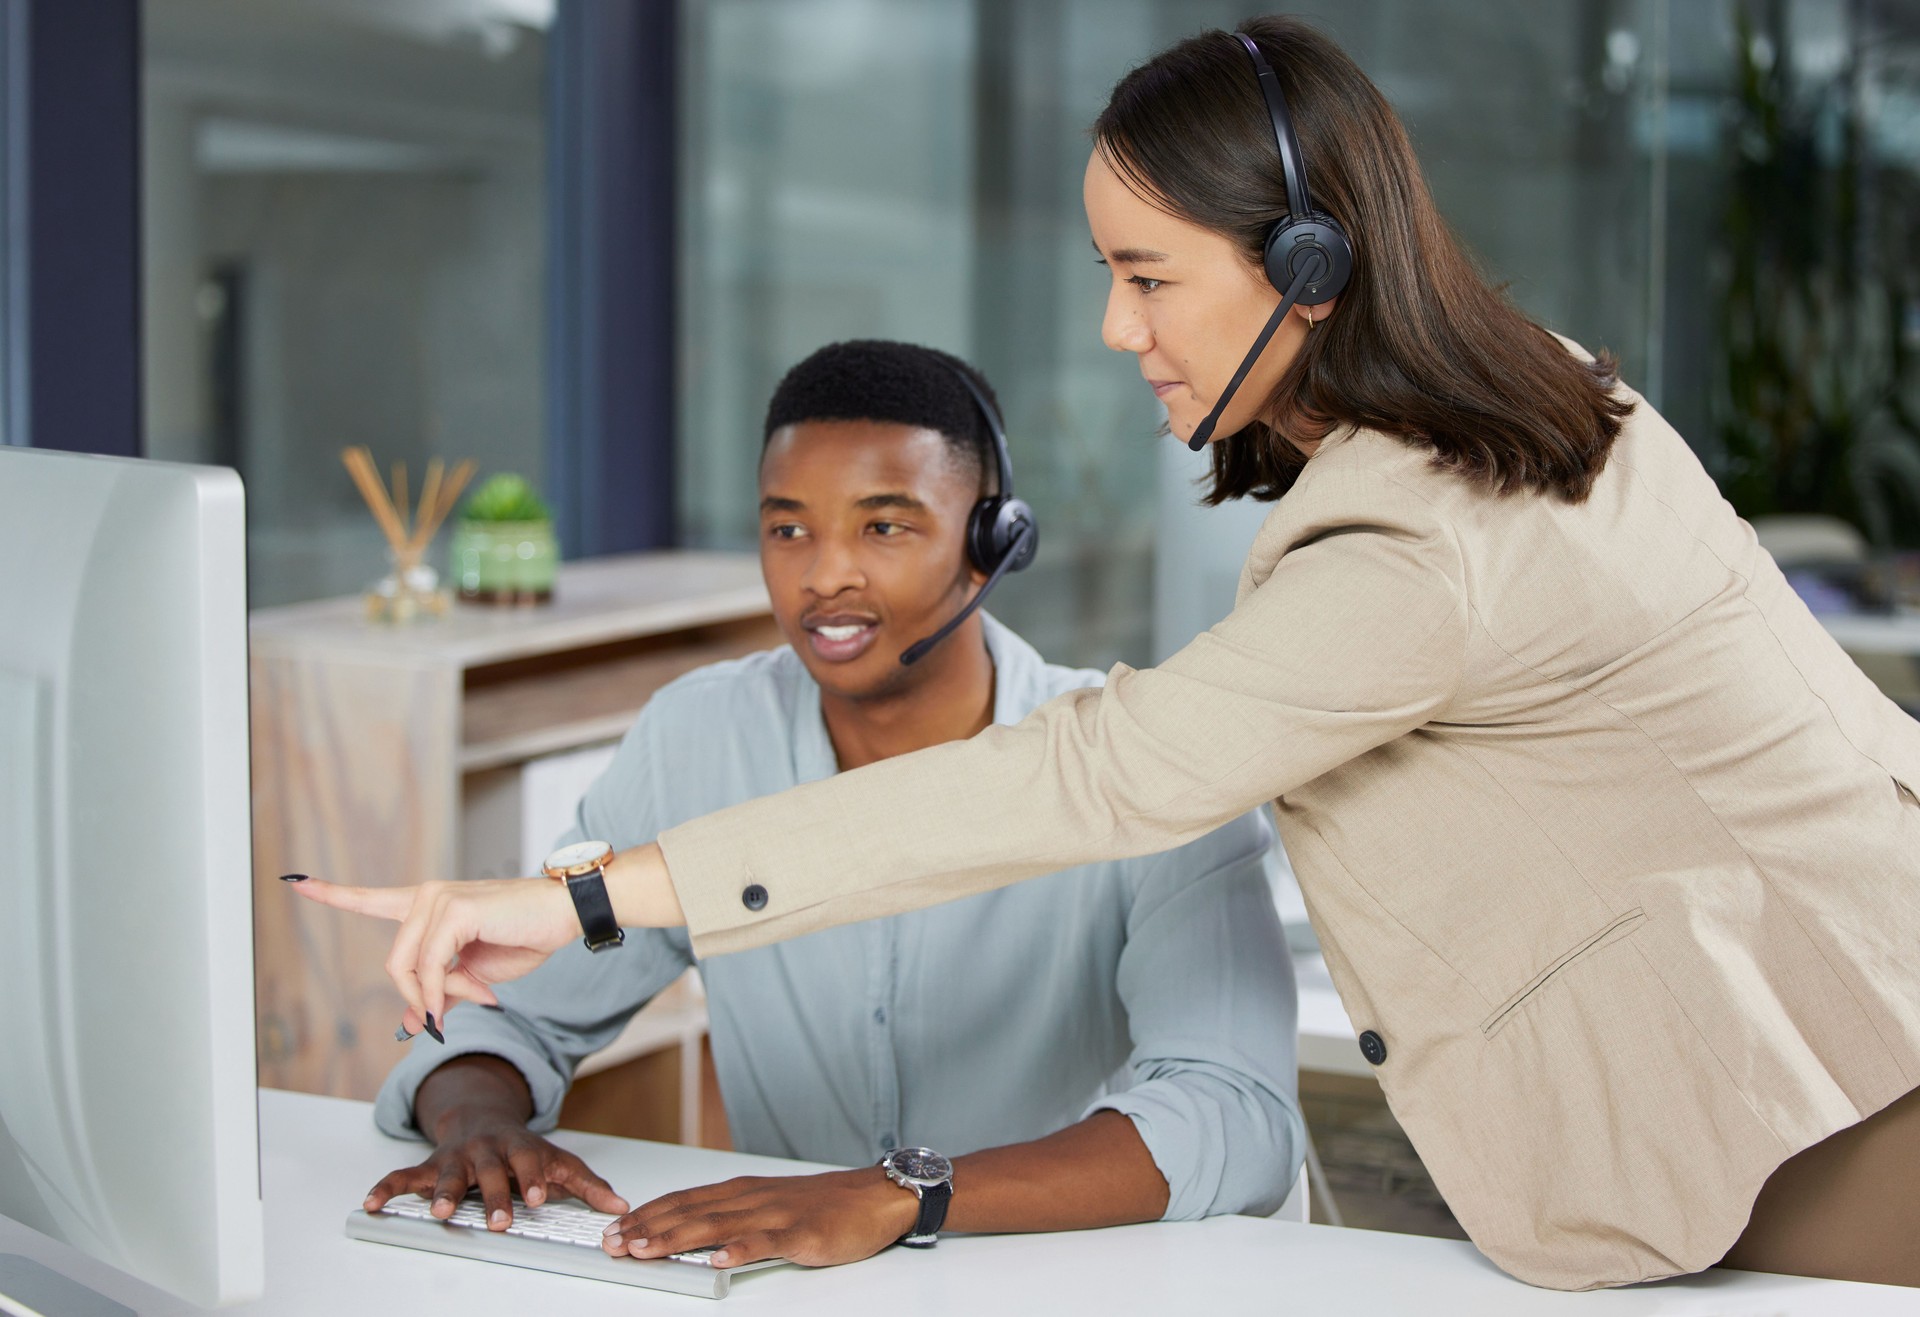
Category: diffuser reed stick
[408,530]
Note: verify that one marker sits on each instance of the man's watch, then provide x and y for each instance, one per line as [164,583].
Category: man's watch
[583,868]
[930,1176]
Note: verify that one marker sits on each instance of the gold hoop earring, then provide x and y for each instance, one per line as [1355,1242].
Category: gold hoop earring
[1309,311]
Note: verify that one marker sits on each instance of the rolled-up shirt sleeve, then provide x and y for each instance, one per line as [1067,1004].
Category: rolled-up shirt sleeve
[577,1002]
[1357,637]
[1209,992]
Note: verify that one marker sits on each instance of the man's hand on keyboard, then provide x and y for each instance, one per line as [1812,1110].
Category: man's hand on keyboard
[815,1220]
[496,1155]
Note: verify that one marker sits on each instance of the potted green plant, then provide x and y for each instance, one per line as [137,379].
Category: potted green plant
[503,546]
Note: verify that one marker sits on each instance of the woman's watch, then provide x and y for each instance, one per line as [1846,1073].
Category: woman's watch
[930,1176]
[583,868]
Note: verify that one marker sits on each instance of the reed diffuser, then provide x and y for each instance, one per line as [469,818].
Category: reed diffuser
[411,587]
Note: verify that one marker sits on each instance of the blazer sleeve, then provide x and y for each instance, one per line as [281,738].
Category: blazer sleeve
[1354,638]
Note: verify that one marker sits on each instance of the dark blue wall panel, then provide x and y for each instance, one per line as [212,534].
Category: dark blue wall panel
[74,133]
[611,224]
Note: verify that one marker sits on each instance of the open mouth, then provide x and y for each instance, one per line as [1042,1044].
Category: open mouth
[841,640]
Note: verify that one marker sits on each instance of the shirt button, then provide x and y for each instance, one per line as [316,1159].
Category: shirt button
[1373,1047]
[755,897]
[880,1015]
[889,1142]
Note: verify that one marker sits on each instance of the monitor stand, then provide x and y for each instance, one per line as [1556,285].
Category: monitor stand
[28,1289]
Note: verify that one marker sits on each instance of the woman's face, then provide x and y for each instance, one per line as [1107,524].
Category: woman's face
[1187,304]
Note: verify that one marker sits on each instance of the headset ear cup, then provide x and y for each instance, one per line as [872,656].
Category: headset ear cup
[993,530]
[1013,516]
[1275,258]
[1317,244]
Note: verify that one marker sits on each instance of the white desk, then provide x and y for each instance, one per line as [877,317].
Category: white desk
[321,1154]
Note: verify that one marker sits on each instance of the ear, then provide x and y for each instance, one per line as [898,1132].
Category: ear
[1318,314]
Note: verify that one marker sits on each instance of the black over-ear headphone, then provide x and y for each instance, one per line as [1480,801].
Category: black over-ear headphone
[1308,257]
[1002,534]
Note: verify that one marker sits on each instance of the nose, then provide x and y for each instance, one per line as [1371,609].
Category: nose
[835,568]
[1123,328]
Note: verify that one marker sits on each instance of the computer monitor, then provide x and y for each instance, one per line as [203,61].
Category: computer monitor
[129,1118]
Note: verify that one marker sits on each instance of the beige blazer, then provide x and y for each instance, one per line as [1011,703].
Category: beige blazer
[1609,845]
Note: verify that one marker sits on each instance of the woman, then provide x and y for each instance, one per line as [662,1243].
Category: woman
[1614,855]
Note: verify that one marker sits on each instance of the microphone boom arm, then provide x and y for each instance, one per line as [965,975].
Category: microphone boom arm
[918,649]
[1205,432]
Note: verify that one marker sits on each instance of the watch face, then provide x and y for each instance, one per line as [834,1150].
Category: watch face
[922,1166]
[579,854]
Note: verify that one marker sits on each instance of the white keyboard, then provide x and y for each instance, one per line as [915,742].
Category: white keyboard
[562,1236]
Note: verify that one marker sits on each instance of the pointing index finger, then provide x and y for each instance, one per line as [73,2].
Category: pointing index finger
[380,902]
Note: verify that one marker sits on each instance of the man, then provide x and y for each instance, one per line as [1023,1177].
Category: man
[1105,1045]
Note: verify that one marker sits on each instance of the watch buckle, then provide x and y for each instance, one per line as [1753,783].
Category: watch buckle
[619,938]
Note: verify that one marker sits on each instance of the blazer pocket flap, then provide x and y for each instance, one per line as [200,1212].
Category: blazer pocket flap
[1612,932]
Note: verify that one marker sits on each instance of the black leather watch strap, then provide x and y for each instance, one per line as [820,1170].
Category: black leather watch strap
[933,1215]
[591,903]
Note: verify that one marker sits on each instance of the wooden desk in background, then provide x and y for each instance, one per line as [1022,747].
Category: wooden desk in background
[392,754]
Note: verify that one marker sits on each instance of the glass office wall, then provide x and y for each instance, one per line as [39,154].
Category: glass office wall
[910,169]
[343,245]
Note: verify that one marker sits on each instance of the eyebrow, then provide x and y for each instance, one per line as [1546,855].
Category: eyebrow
[892,500]
[1131,255]
[777,503]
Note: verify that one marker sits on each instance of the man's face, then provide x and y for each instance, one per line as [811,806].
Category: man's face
[863,545]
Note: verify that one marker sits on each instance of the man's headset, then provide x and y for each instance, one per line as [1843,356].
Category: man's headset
[1002,535]
[1308,257]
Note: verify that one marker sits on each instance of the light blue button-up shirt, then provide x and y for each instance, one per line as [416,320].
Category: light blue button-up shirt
[1158,986]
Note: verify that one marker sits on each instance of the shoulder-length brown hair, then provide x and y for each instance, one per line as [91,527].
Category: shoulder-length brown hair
[1419,346]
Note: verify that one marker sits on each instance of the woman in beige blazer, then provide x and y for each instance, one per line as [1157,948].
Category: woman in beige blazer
[1615,856]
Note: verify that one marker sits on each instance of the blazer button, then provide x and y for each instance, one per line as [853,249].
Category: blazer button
[1373,1047]
[755,897]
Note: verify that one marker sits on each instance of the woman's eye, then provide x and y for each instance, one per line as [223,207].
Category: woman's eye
[1143,283]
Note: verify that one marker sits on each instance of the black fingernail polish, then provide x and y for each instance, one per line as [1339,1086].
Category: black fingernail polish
[433,1031]
[401,1035]
[293,877]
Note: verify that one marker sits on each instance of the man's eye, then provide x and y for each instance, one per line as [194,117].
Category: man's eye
[1143,283]
[887,528]
[784,531]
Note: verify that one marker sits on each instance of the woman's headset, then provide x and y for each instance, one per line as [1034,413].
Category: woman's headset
[1002,534]
[1307,256]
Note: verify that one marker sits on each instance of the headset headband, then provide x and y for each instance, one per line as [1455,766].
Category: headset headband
[994,426]
[1299,200]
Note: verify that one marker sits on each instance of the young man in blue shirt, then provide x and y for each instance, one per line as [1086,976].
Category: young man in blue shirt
[1109,1044]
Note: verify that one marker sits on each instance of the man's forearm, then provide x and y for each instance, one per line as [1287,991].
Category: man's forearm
[1095,1173]
[468,1086]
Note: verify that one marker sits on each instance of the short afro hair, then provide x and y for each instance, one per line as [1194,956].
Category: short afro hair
[894,383]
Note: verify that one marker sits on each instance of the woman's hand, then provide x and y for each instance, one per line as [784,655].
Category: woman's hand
[458,939]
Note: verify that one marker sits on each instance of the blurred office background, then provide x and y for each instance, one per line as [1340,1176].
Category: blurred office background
[581,239]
